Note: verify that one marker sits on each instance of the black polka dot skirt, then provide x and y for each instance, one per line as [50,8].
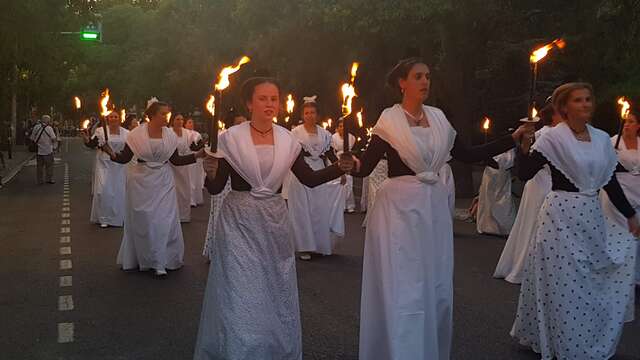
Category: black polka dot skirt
[578,281]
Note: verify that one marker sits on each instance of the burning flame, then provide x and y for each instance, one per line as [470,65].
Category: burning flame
[123,115]
[359,116]
[211,105]
[369,132]
[329,122]
[325,125]
[104,101]
[624,110]
[286,120]
[77,102]
[543,51]
[168,117]
[534,113]
[223,81]
[486,124]
[354,71]
[348,93]
[85,124]
[275,120]
[290,103]
[220,125]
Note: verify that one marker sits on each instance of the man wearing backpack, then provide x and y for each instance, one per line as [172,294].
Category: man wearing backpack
[45,139]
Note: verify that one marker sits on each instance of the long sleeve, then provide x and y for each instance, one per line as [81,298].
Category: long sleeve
[93,143]
[528,165]
[331,155]
[311,178]
[617,197]
[471,154]
[216,185]
[124,156]
[182,160]
[370,158]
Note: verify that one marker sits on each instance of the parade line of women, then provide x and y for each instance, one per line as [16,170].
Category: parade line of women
[574,250]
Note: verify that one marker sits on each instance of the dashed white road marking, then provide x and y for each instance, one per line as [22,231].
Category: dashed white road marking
[65,230]
[66,281]
[65,221]
[65,215]
[65,333]
[65,250]
[66,264]
[65,303]
[65,209]
[65,239]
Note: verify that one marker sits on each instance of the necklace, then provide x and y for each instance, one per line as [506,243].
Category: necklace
[415,119]
[260,132]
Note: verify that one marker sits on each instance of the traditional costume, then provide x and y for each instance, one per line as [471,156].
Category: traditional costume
[496,208]
[578,280]
[337,143]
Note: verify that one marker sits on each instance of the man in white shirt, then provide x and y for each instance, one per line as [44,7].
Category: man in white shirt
[45,137]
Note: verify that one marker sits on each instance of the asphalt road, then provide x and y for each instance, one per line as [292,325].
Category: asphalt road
[132,315]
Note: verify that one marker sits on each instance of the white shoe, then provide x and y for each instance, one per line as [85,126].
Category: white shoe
[104,226]
[351,211]
[305,257]
[161,272]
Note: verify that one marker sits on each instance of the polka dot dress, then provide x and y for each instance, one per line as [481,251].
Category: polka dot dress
[578,281]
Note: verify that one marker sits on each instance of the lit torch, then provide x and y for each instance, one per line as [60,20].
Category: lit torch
[625,108]
[104,112]
[123,115]
[534,58]
[85,124]
[348,93]
[223,83]
[486,124]
[77,104]
[290,106]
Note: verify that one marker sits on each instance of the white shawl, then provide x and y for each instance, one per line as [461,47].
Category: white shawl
[303,136]
[237,147]
[139,143]
[630,159]
[393,128]
[561,148]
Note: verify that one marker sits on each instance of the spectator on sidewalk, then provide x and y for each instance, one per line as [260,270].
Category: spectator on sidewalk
[45,138]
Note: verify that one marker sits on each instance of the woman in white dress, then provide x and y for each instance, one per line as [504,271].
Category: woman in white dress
[152,231]
[407,278]
[337,143]
[628,174]
[496,208]
[250,308]
[108,203]
[512,261]
[196,172]
[317,214]
[578,281]
[182,174]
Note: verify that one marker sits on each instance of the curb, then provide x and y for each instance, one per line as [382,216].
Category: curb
[16,170]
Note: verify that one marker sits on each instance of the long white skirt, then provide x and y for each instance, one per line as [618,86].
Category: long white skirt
[577,283]
[496,209]
[250,308]
[514,255]
[314,218]
[407,277]
[196,176]
[152,232]
[108,203]
[183,191]
[350,203]
[214,213]
[631,186]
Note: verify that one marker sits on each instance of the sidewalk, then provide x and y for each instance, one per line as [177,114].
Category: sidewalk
[20,157]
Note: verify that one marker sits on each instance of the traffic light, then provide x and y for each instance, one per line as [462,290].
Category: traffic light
[91,32]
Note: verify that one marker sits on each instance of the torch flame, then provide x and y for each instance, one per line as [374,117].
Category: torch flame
[211,105]
[486,124]
[625,109]
[223,81]
[221,125]
[77,102]
[275,120]
[325,125]
[359,116]
[348,93]
[286,120]
[534,112]
[290,103]
[168,117]
[369,132]
[104,101]
[85,124]
[329,121]
[123,114]
[354,71]
[543,51]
